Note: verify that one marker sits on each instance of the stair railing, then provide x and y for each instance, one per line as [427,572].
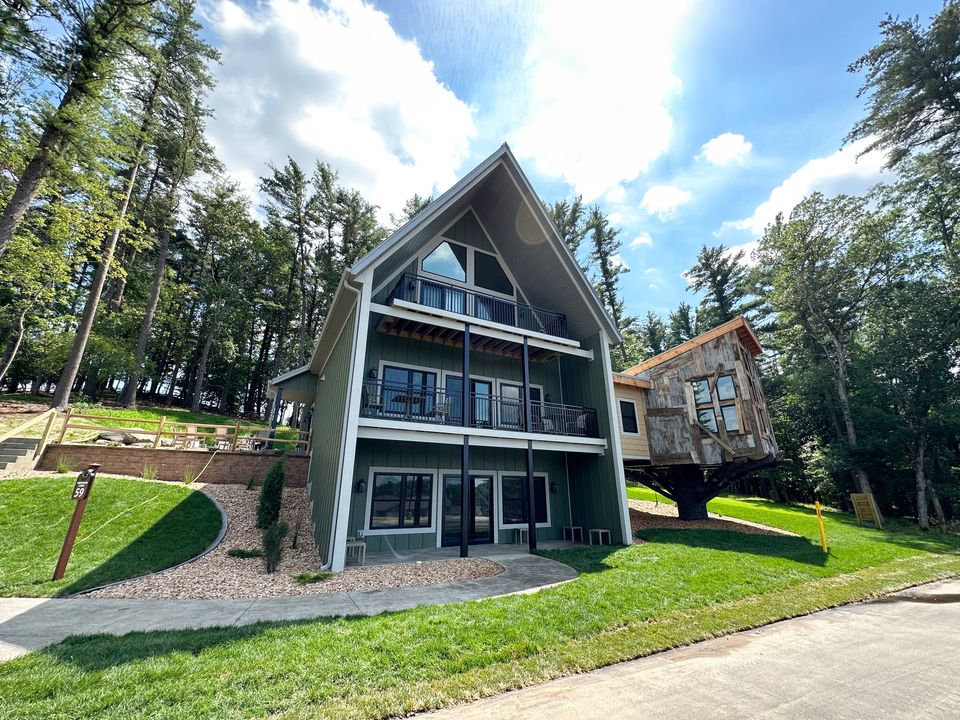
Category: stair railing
[50,415]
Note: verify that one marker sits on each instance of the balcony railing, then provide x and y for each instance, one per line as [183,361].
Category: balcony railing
[418,403]
[444,296]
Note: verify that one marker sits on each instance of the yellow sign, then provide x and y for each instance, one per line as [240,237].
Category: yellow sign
[865,506]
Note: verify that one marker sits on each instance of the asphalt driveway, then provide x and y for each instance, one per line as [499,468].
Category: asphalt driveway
[898,657]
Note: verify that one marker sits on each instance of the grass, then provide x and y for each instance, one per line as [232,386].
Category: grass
[308,578]
[679,587]
[243,553]
[129,528]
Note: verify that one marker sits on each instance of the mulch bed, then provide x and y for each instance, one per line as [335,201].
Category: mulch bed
[217,575]
[647,515]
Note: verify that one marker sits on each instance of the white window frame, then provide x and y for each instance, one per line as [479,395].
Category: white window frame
[636,415]
[434,499]
[499,499]
[470,283]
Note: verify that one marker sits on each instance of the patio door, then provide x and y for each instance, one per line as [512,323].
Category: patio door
[511,406]
[480,502]
[482,393]
[408,392]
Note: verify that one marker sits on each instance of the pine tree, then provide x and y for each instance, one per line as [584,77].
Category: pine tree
[569,218]
[605,257]
[682,325]
[723,277]
[652,335]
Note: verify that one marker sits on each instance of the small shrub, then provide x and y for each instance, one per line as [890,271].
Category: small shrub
[65,464]
[251,482]
[244,553]
[271,497]
[189,477]
[149,473]
[307,578]
[273,545]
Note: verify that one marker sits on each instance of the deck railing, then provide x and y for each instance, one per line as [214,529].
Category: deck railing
[422,404]
[444,296]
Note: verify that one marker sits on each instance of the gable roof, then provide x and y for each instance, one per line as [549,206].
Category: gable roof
[738,324]
[522,233]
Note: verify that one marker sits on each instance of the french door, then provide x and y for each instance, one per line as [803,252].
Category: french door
[480,503]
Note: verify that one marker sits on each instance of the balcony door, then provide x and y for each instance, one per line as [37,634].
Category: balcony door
[481,393]
[408,392]
[511,406]
[480,504]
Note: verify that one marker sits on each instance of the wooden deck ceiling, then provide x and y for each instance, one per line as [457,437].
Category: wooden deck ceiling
[425,331]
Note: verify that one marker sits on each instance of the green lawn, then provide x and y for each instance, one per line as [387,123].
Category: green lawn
[679,587]
[129,528]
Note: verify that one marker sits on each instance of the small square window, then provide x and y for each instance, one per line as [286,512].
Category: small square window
[707,418]
[701,391]
[726,390]
[628,417]
[730,418]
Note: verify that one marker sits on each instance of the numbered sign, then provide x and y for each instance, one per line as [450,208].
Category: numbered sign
[81,492]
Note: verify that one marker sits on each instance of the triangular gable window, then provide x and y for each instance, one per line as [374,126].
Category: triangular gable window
[488,274]
[447,260]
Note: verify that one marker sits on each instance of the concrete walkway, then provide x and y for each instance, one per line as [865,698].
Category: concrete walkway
[32,623]
[892,658]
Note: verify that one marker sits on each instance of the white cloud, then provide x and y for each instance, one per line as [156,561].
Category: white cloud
[641,240]
[616,194]
[748,248]
[616,260]
[726,148]
[333,83]
[622,53]
[841,172]
[663,200]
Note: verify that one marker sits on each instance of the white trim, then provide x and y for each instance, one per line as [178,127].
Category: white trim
[434,499]
[521,474]
[636,415]
[470,283]
[636,457]
[400,431]
[340,526]
[619,475]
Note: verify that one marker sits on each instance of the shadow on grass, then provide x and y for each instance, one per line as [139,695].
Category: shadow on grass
[787,547]
[584,559]
[184,531]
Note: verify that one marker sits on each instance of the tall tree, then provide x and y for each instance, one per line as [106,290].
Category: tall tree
[682,325]
[605,258]
[652,335]
[411,208]
[824,267]
[912,86]
[570,218]
[82,59]
[722,276]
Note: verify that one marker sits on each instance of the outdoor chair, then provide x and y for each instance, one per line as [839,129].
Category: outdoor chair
[441,411]
[579,427]
[223,442]
[371,402]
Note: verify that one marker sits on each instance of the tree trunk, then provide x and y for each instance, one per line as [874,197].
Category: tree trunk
[863,482]
[159,271]
[923,518]
[687,490]
[202,365]
[32,176]
[61,397]
[14,344]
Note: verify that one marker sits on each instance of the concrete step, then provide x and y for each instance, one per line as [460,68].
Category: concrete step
[18,451]
[9,459]
[20,442]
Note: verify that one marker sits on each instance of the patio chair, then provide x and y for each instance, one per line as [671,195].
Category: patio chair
[223,442]
[371,402]
[579,427]
[441,411]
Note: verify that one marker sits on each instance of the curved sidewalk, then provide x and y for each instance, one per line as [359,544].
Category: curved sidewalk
[28,624]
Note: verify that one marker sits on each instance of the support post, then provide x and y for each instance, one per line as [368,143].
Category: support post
[46,434]
[466,406]
[274,416]
[465,498]
[156,438]
[525,369]
[531,505]
[63,430]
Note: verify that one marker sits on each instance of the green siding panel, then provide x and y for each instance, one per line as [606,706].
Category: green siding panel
[437,458]
[330,407]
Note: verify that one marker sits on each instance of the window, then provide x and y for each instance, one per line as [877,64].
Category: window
[408,392]
[447,260]
[725,388]
[401,501]
[488,274]
[628,417]
[513,500]
[701,391]
[730,419]
[707,418]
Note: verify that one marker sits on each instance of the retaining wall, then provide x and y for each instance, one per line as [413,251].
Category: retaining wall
[221,467]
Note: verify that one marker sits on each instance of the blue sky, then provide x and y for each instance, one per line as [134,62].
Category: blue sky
[689,123]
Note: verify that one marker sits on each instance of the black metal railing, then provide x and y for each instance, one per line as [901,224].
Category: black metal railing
[424,404]
[444,296]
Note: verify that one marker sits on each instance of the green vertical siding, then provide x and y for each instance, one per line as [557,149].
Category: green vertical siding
[330,406]
[595,493]
[435,458]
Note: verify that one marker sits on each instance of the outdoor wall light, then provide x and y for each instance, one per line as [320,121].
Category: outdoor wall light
[372,373]
[554,487]
[361,486]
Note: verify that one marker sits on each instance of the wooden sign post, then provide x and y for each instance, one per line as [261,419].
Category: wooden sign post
[81,492]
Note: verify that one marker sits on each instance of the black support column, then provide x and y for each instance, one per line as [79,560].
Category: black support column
[528,425]
[466,418]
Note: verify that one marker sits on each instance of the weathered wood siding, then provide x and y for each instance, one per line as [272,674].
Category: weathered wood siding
[328,427]
[675,437]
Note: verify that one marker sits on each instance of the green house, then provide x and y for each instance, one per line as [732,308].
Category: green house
[468,343]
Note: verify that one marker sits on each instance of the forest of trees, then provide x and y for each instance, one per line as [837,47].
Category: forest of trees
[133,269]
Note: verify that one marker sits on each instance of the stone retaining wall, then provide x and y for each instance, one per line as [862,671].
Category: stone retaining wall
[224,466]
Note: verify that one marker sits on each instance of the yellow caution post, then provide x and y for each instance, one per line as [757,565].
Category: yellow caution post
[823,532]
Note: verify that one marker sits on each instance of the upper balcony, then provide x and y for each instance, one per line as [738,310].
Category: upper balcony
[439,295]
